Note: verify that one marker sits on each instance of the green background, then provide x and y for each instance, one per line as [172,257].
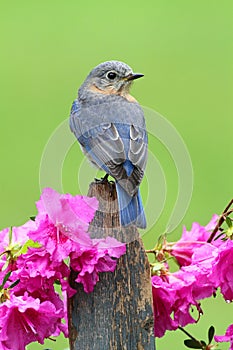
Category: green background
[185,50]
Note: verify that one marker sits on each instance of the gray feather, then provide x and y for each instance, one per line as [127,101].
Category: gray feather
[94,126]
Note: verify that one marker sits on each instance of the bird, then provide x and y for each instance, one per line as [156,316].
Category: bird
[110,126]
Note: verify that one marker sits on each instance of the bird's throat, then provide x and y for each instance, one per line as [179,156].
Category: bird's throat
[111,91]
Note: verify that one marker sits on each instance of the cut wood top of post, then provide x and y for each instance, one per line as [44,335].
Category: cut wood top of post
[106,221]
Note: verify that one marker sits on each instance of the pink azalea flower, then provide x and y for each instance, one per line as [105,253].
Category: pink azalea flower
[190,241]
[24,320]
[37,262]
[228,337]
[183,283]
[215,265]
[72,214]
[11,243]
[110,246]
[10,246]
[174,295]
[63,326]
[4,239]
[62,222]
[203,261]
[203,287]
[164,296]
[94,259]
[19,235]
[222,270]
[37,273]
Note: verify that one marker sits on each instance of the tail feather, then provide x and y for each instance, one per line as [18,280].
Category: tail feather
[131,208]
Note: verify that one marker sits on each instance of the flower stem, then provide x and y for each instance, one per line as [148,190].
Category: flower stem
[221,220]
[188,334]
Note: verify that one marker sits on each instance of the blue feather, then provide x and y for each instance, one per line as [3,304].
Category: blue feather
[128,166]
[130,208]
[94,128]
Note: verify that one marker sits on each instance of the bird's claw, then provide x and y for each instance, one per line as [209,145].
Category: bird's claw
[104,180]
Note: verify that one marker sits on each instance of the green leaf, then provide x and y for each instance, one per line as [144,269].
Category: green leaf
[5,279]
[33,217]
[156,267]
[192,344]
[218,236]
[228,221]
[29,244]
[211,332]
[203,343]
[229,232]
[14,284]
[10,235]
[57,282]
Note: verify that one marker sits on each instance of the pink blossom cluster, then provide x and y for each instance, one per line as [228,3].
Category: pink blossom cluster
[203,267]
[30,307]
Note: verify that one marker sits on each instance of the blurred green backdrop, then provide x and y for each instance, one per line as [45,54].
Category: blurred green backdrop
[185,50]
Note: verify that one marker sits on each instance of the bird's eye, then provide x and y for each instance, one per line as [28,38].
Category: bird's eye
[111,75]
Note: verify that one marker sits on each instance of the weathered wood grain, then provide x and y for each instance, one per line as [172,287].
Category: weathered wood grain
[117,315]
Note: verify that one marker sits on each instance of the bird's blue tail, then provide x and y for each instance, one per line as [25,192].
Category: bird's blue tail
[131,208]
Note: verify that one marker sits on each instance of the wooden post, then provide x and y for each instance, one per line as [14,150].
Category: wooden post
[117,315]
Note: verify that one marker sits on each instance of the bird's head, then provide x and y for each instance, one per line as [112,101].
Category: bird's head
[111,77]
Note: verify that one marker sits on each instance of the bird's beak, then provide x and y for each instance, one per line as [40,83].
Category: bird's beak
[134,76]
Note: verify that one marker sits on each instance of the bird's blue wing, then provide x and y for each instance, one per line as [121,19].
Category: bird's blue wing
[101,143]
[104,145]
[120,149]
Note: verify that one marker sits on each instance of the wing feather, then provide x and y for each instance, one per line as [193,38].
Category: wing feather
[117,148]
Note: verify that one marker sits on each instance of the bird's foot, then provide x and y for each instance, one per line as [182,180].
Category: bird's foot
[104,180]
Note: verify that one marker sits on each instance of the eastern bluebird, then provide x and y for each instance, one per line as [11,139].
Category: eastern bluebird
[110,127]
